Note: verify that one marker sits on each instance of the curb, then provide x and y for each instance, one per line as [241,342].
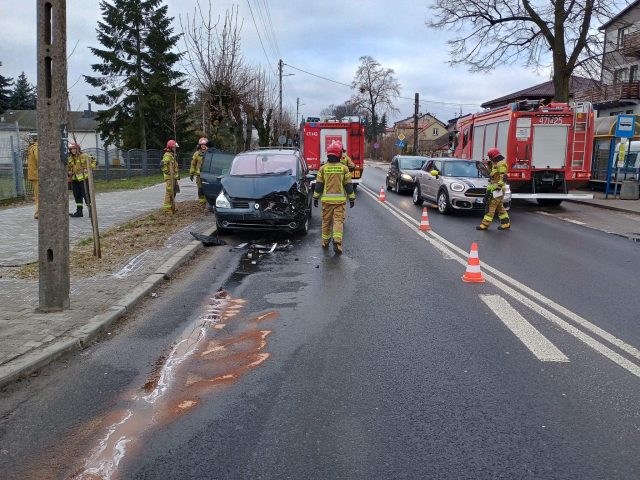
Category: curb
[607,207]
[81,337]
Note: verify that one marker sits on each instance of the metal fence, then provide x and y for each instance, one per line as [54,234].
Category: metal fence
[112,164]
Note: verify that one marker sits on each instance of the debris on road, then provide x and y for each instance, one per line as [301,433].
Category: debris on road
[208,240]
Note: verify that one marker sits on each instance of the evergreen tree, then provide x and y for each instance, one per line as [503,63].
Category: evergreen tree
[5,92]
[383,123]
[144,95]
[23,96]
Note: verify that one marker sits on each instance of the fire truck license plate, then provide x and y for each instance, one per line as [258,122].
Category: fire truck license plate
[355,174]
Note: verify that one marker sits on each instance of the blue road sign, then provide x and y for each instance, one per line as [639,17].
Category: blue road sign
[401,143]
[625,126]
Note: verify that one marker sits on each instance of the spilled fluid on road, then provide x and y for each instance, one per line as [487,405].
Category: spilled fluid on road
[207,355]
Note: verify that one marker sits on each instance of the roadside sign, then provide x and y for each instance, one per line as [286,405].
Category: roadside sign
[401,137]
[625,126]
[282,139]
[401,143]
[376,145]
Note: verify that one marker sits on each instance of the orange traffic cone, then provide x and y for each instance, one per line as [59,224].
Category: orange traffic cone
[424,221]
[382,198]
[473,273]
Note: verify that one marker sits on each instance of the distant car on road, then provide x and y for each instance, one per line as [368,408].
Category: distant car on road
[266,189]
[216,164]
[402,172]
[454,184]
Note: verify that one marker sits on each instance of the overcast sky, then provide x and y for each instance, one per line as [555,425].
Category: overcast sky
[325,37]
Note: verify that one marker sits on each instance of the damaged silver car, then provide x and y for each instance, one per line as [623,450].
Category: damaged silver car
[265,190]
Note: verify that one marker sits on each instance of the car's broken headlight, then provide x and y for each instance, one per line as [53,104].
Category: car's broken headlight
[222,201]
[456,187]
[406,177]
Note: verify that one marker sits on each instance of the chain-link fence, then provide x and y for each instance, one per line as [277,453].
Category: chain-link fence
[112,163]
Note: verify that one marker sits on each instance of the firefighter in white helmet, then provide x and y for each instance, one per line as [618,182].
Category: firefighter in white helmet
[196,165]
[169,160]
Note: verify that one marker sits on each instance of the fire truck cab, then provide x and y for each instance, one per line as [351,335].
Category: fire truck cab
[547,147]
[318,132]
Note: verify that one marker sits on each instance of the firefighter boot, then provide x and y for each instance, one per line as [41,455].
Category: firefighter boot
[482,226]
[506,226]
[337,247]
[77,214]
[325,244]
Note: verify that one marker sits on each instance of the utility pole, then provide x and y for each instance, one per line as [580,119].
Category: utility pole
[297,109]
[415,124]
[53,225]
[280,65]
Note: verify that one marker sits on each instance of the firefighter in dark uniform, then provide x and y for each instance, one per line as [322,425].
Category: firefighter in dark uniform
[333,188]
[495,191]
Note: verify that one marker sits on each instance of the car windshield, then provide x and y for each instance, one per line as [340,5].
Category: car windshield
[263,164]
[412,163]
[465,169]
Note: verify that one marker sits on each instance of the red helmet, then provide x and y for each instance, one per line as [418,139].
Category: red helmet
[493,153]
[335,148]
[203,141]
[172,144]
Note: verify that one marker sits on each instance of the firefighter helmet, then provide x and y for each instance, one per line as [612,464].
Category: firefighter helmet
[493,153]
[335,148]
[172,144]
[202,141]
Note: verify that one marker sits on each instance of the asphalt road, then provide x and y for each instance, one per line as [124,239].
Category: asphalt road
[381,363]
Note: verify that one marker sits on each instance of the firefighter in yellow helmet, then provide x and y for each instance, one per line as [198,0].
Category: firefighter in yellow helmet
[78,165]
[32,168]
[196,165]
[333,187]
[168,162]
[495,191]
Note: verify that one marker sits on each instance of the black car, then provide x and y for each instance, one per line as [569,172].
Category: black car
[402,172]
[265,190]
[215,164]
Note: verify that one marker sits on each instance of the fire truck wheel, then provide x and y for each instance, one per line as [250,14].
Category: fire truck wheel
[443,202]
[417,195]
[549,202]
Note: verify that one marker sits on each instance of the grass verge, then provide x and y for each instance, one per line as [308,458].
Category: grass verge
[126,183]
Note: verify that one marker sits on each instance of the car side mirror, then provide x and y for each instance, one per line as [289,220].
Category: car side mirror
[311,176]
[434,173]
[219,177]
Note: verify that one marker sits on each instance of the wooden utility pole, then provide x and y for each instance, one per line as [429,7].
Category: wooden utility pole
[415,124]
[53,225]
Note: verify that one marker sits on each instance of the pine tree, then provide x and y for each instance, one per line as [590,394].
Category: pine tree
[146,102]
[23,96]
[5,92]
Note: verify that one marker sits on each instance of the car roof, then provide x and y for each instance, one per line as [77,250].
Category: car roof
[449,159]
[272,151]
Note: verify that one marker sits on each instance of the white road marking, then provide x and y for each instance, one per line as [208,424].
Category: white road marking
[443,245]
[564,219]
[538,344]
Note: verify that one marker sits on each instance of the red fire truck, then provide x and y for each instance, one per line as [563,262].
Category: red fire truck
[318,133]
[547,147]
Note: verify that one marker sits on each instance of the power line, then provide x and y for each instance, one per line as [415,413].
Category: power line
[259,37]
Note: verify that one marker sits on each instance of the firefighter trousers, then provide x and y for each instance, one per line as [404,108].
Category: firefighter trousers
[169,193]
[494,206]
[80,192]
[201,198]
[332,222]
[34,183]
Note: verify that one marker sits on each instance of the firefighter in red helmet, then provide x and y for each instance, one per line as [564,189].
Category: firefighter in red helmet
[78,165]
[169,162]
[333,187]
[196,165]
[495,191]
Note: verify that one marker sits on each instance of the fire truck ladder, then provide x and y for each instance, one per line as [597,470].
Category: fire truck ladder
[581,116]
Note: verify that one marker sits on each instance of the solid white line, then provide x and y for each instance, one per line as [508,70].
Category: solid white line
[538,344]
[446,247]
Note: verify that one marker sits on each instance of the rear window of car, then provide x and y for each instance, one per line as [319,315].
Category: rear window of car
[264,164]
[412,163]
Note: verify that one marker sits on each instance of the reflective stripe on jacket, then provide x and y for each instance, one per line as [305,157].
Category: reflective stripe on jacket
[497,175]
[333,184]
[77,165]
[167,159]
[196,163]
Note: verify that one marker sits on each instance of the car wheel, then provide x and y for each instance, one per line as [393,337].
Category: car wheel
[443,203]
[389,187]
[549,202]
[304,228]
[417,195]
[398,186]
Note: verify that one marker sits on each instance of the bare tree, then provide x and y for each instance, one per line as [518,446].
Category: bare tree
[218,72]
[261,105]
[376,89]
[539,32]
[347,109]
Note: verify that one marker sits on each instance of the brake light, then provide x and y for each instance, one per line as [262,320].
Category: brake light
[515,175]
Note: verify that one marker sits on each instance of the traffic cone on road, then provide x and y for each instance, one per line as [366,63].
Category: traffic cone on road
[382,198]
[424,221]
[473,273]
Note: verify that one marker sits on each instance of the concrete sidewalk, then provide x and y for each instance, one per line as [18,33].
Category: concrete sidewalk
[29,339]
